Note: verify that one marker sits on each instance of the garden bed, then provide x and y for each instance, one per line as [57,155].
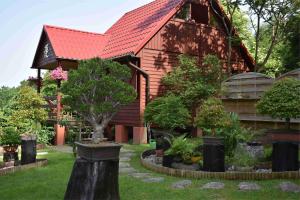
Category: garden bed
[12,169]
[230,175]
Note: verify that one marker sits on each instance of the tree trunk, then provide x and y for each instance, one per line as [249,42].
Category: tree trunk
[98,131]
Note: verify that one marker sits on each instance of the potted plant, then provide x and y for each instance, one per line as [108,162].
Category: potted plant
[9,140]
[212,119]
[282,101]
[167,113]
[27,117]
[96,91]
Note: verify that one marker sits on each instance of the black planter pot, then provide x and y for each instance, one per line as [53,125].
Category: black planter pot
[213,154]
[285,157]
[167,160]
[98,168]
[28,148]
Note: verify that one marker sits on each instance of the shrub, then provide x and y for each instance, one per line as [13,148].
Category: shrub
[167,112]
[212,118]
[9,136]
[97,90]
[282,100]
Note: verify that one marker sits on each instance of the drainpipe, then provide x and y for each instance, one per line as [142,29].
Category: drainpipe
[146,76]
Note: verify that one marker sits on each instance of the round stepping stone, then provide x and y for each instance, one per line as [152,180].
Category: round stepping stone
[126,170]
[289,187]
[154,180]
[140,175]
[181,184]
[125,159]
[124,164]
[126,150]
[213,185]
[245,186]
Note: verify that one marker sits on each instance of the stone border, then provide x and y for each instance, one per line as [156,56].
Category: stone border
[217,175]
[38,163]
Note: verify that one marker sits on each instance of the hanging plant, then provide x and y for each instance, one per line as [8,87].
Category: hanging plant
[59,75]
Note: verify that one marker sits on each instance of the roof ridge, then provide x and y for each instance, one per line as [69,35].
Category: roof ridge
[141,7]
[75,30]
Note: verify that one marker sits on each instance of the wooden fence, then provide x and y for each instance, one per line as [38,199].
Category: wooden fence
[243,91]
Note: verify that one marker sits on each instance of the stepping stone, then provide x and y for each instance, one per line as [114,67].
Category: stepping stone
[181,184]
[289,187]
[126,170]
[126,151]
[245,186]
[125,159]
[127,154]
[140,175]
[213,185]
[154,180]
[124,164]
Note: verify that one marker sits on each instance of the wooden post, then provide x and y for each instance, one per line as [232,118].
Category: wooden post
[59,130]
[39,83]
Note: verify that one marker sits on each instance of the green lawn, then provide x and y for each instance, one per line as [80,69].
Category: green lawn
[50,183]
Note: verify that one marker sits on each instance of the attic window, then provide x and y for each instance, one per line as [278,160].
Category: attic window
[185,12]
[199,13]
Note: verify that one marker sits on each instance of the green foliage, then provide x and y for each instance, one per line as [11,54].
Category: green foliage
[187,81]
[28,109]
[183,147]
[9,136]
[45,134]
[167,112]
[6,95]
[97,90]
[49,85]
[212,118]
[282,100]
[233,134]
[242,158]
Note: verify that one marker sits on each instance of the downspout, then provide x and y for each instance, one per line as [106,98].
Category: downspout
[146,76]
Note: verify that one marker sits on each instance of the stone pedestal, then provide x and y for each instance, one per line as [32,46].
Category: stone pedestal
[213,154]
[95,173]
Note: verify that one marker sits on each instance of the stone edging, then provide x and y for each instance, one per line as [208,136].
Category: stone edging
[38,163]
[218,175]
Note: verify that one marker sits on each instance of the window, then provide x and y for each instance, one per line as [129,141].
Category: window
[184,13]
[200,13]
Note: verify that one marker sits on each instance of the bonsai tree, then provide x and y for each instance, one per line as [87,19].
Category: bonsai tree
[97,90]
[282,100]
[9,136]
[167,112]
[212,118]
[28,112]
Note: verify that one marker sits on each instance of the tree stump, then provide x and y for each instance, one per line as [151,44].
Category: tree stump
[95,174]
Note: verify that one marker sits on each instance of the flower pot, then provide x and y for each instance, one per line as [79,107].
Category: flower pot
[98,152]
[213,154]
[285,150]
[10,153]
[167,160]
[152,144]
[28,149]
[98,168]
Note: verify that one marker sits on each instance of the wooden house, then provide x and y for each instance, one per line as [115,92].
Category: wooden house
[148,40]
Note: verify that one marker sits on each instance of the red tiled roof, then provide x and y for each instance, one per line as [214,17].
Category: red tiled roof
[74,44]
[130,33]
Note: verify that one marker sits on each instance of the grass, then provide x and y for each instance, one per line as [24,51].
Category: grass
[50,183]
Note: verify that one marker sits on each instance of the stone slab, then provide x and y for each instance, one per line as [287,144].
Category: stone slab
[154,180]
[181,184]
[213,185]
[246,186]
[289,187]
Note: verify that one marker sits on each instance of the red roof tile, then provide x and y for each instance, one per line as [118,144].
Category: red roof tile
[130,33]
[74,44]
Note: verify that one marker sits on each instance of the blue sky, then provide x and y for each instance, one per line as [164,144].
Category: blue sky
[21,24]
